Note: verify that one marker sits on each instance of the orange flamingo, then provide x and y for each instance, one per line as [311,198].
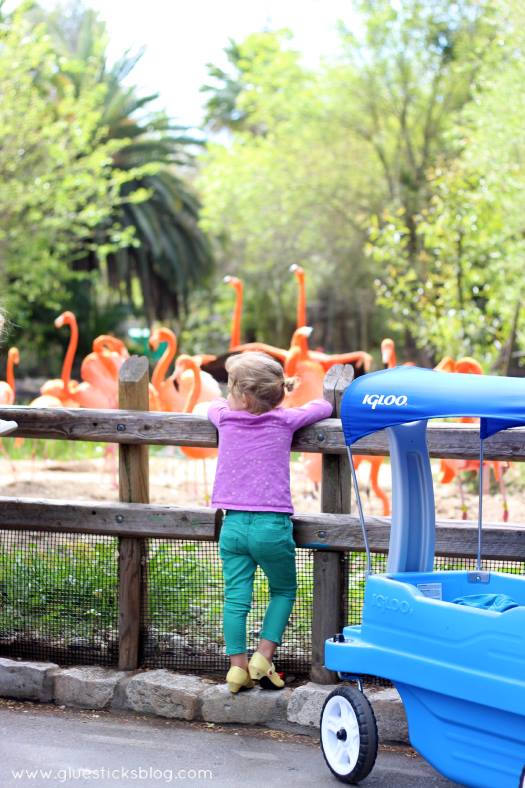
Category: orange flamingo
[7,386]
[451,469]
[359,359]
[55,393]
[60,388]
[173,391]
[8,391]
[100,370]
[310,367]
[310,376]
[168,395]
[196,402]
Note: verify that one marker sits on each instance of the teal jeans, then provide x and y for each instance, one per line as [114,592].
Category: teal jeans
[248,540]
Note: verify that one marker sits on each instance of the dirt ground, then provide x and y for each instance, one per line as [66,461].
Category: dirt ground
[177,480]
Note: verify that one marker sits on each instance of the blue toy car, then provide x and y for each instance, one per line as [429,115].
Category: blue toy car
[452,643]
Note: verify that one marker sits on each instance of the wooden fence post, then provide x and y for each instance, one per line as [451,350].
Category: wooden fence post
[330,568]
[133,488]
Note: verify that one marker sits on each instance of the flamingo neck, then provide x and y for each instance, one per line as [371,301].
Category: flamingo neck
[196,386]
[301,302]
[299,340]
[163,364]
[10,370]
[70,353]
[290,367]
[236,319]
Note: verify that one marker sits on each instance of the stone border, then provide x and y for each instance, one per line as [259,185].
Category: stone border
[186,697]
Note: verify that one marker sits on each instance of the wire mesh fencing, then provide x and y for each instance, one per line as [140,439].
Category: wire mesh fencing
[59,601]
[59,597]
[183,609]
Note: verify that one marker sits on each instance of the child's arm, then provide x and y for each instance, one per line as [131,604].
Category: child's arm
[216,408]
[313,411]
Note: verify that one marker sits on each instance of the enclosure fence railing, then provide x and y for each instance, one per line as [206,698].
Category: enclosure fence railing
[131,538]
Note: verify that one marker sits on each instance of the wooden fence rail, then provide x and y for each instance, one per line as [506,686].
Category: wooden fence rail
[454,441]
[332,533]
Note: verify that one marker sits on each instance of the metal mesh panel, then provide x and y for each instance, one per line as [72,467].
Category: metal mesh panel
[356,582]
[357,565]
[59,601]
[59,597]
[183,615]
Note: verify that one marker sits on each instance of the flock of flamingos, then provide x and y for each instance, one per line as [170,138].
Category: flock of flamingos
[188,388]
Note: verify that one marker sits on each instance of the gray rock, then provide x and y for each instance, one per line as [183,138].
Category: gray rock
[120,698]
[255,706]
[27,680]
[87,687]
[390,714]
[165,694]
[307,702]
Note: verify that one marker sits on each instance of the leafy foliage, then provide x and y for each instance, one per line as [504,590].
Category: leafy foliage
[170,253]
[58,182]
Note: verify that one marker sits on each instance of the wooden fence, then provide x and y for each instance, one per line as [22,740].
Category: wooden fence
[331,533]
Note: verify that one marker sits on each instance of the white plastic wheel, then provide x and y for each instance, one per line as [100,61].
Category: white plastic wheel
[340,734]
[348,734]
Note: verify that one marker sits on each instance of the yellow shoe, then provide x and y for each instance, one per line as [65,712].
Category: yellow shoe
[238,679]
[263,671]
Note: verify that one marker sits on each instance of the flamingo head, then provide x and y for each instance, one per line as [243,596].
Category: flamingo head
[183,363]
[300,338]
[13,355]
[388,351]
[65,319]
[468,365]
[234,281]
[108,342]
[447,364]
[298,271]
[163,335]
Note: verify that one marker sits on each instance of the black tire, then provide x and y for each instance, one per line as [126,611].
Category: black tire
[358,729]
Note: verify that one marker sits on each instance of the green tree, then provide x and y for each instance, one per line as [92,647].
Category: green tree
[466,280]
[283,190]
[171,254]
[58,183]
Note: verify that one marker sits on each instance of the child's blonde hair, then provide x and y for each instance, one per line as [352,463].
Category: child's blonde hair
[259,378]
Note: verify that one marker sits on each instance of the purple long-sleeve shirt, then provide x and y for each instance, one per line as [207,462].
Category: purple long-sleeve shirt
[253,468]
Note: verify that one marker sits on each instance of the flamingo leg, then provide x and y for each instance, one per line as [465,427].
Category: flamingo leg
[463,503]
[206,492]
[486,478]
[110,463]
[6,454]
[375,465]
[498,473]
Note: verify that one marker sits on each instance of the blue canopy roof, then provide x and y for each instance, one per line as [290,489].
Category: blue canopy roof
[403,394]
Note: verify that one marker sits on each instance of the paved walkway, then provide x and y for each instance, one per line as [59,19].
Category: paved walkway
[44,746]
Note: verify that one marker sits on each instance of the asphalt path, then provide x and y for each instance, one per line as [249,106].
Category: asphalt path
[44,746]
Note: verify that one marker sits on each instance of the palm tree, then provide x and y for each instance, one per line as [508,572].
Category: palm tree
[172,254]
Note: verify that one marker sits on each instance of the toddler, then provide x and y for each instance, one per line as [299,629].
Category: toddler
[252,485]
